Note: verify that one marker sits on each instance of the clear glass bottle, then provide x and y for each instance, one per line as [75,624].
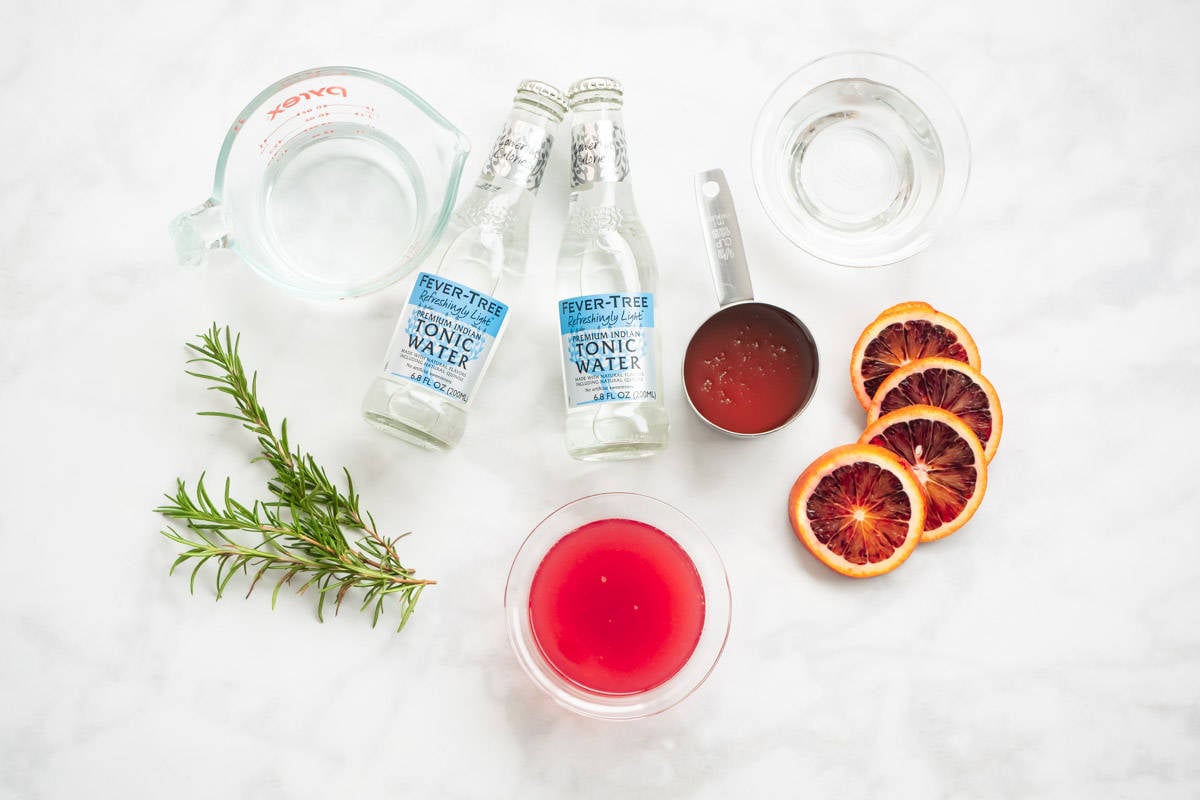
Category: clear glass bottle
[606,280]
[450,325]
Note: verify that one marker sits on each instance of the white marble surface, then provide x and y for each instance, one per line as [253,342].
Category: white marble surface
[1051,649]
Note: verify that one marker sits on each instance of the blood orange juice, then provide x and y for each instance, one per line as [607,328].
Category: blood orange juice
[616,606]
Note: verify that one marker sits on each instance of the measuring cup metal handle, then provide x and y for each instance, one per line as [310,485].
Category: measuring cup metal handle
[723,238]
[198,231]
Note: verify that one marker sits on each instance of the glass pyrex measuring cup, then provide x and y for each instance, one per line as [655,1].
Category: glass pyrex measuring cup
[751,367]
[333,182]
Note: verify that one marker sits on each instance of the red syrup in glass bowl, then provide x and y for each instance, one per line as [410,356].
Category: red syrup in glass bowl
[616,606]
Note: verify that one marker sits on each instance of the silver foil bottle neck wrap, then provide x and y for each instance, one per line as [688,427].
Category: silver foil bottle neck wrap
[519,154]
[598,152]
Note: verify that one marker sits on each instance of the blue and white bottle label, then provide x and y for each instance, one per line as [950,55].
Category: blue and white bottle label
[445,334]
[608,348]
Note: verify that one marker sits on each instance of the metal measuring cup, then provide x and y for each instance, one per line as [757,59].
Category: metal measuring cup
[735,294]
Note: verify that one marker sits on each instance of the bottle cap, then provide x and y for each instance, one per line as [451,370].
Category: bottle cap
[548,97]
[597,84]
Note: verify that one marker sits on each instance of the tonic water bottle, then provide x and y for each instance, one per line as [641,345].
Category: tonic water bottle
[605,287]
[454,317]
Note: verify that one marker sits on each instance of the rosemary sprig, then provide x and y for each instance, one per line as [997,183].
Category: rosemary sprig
[299,534]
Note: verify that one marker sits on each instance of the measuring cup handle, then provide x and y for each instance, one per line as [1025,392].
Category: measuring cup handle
[198,231]
[723,238]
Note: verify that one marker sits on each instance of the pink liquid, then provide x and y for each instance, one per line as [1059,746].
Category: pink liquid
[616,606]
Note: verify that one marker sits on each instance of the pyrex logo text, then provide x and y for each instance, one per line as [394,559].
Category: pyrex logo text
[307,94]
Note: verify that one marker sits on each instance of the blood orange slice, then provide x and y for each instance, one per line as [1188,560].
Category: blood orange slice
[859,509]
[909,305]
[902,334]
[946,457]
[949,384]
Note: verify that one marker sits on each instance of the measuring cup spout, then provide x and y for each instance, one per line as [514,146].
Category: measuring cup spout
[723,238]
[198,231]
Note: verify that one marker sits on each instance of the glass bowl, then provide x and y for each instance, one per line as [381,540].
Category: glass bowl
[716,606]
[860,159]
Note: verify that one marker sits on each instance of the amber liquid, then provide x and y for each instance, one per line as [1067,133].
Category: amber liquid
[749,368]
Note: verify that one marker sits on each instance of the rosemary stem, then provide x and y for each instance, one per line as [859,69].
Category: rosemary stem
[301,532]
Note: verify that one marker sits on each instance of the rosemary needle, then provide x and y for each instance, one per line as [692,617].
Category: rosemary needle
[298,537]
